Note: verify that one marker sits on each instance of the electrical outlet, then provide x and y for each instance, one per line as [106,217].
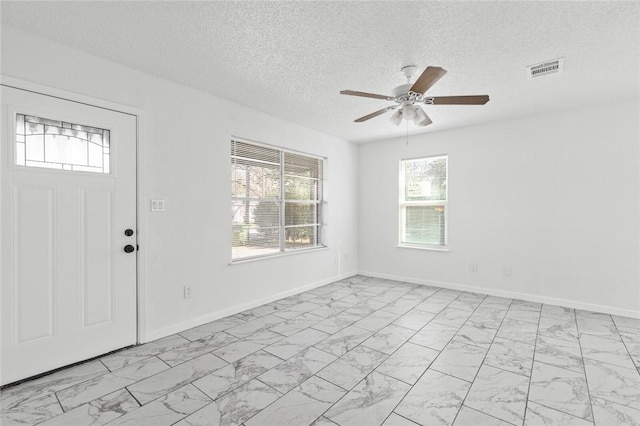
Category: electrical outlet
[473,267]
[187,292]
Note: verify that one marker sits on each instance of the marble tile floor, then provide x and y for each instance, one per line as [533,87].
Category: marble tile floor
[359,352]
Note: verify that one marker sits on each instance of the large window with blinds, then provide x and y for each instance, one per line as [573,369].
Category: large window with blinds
[423,202]
[276,204]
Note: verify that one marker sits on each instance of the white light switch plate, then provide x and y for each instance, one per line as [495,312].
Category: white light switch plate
[157,205]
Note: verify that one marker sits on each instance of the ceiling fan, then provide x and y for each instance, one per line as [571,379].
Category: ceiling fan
[408,97]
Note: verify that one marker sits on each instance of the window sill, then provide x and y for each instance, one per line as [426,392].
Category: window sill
[421,247]
[277,255]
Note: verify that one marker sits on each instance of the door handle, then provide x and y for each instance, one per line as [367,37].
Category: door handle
[128,232]
[129,248]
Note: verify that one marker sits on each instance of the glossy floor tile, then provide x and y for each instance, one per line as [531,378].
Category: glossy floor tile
[359,352]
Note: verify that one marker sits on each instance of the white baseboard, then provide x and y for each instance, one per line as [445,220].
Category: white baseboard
[510,295]
[194,322]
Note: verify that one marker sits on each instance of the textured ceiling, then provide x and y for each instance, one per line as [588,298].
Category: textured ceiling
[290,59]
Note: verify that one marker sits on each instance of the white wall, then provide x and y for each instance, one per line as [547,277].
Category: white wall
[553,197]
[186,162]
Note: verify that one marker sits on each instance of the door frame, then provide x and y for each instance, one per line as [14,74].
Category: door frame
[141,211]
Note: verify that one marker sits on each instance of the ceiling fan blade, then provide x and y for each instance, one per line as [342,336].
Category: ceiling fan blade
[461,100]
[427,79]
[425,122]
[373,114]
[364,94]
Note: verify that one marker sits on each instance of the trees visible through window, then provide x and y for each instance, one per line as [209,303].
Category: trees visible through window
[423,201]
[276,200]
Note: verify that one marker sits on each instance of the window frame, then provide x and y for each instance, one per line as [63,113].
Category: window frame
[403,204]
[282,201]
[68,168]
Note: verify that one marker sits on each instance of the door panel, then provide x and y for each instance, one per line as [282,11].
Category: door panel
[68,287]
[33,286]
[98,260]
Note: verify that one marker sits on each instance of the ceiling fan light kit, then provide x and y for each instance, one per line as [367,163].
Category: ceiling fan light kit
[396,117]
[408,111]
[408,96]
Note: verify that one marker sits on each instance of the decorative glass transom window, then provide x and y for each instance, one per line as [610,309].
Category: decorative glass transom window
[423,202]
[52,144]
[276,204]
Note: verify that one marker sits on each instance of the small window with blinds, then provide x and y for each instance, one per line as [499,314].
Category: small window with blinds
[423,202]
[276,204]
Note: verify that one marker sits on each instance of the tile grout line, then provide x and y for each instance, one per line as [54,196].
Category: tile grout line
[106,366]
[633,362]
[59,404]
[533,361]
[399,415]
[482,363]
[162,360]
[584,367]
[486,414]
[573,416]
[134,398]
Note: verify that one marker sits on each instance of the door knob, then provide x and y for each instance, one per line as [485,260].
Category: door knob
[128,232]
[129,248]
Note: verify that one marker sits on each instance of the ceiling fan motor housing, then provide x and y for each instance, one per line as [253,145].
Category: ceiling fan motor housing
[403,89]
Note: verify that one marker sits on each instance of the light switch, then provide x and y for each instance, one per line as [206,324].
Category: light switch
[157,205]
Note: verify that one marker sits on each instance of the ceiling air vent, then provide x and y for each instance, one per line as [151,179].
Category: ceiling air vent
[545,68]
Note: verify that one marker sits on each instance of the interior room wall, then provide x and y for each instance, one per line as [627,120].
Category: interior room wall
[547,207]
[185,161]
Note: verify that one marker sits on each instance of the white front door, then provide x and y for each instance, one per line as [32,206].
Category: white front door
[68,199]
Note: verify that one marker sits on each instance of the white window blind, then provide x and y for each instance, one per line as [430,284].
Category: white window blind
[423,201]
[276,200]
